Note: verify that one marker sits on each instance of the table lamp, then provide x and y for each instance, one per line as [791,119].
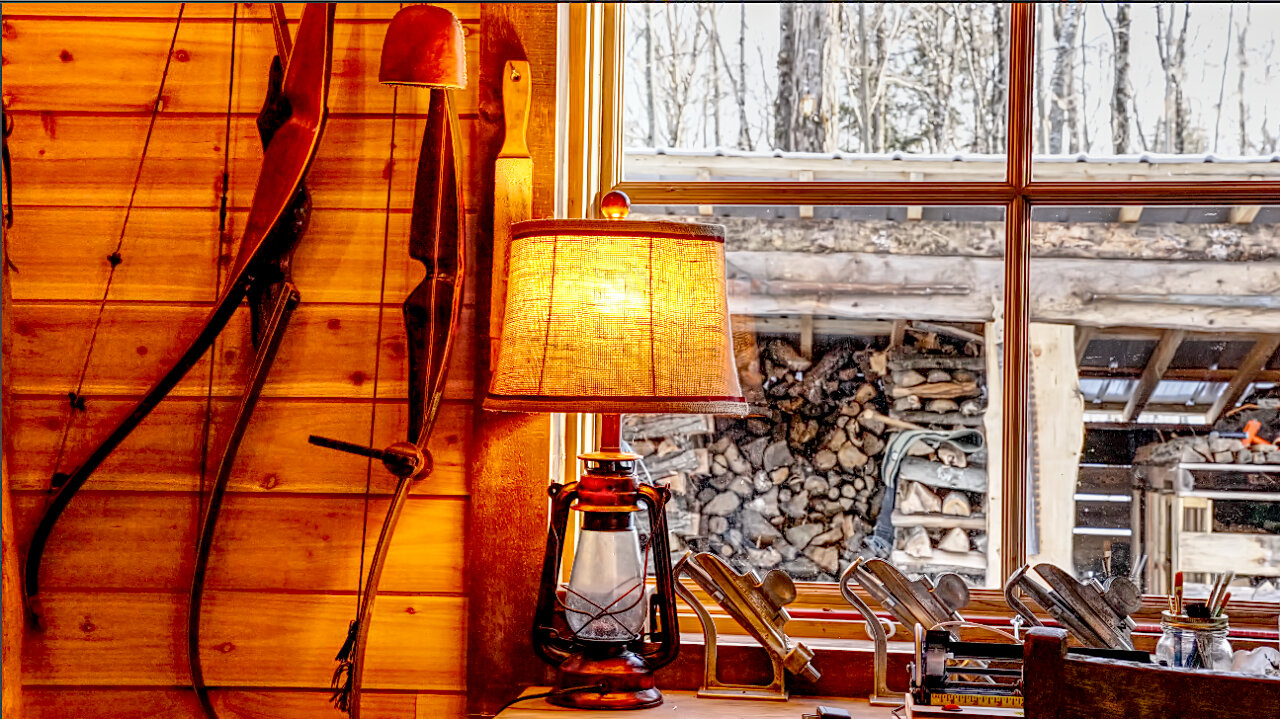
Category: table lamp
[612,316]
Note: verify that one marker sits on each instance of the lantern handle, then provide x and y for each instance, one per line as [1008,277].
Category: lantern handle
[665,651]
[548,644]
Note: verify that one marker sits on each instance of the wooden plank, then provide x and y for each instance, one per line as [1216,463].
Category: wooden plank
[950,419]
[63,64]
[136,343]
[509,457]
[249,13]
[10,562]
[1243,214]
[170,703]
[1159,361]
[936,474]
[1059,686]
[688,705]
[1130,213]
[90,160]
[251,639]
[1084,335]
[806,336]
[1256,555]
[942,560]
[163,454]
[898,333]
[170,254]
[1261,352]
[110,540]
[945,521]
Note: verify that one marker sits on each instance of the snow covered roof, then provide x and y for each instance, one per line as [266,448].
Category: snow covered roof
[1151,158]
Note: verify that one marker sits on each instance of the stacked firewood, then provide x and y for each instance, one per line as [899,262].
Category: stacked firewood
[797,484]
[939,517]
[1209,448]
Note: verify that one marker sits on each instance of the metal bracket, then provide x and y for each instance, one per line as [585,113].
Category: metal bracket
[757,605]
[881,696]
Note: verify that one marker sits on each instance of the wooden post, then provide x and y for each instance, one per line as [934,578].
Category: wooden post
[14,621]
[509,466]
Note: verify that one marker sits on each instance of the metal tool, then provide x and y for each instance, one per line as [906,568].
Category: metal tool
[977,674]
[758,605]
[1096,615]
[912,603]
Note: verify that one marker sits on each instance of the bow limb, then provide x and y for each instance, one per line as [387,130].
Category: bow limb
[286,302]
[306,85]
[432,315]
[272,299]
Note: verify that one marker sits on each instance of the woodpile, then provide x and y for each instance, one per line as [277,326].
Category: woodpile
[939,517]
[1211,448]
[797,484]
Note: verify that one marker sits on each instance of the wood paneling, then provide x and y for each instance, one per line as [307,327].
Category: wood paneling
[78,160]
[328,351]
[168,256]
[79,81]
[115,66]
[59,703]
[467,13]
[113,540]
[275,457]
[252,639]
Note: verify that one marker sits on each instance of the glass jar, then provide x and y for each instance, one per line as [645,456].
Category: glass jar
[1194,643]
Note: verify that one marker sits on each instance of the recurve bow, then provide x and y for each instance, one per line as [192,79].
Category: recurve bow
[305,89]
[272,299]
[432,317]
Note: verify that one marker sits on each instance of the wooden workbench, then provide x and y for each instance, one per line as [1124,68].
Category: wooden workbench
[687,705]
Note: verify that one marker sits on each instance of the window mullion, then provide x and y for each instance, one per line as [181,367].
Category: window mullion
[1014,382]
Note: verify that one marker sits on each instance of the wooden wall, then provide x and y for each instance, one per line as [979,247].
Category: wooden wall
[79,81]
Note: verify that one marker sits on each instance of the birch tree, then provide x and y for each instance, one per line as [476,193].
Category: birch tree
[1066,18]
[805,106]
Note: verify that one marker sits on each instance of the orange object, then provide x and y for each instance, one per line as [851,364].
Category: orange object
[1177,591]
[1251,433]
[424,47]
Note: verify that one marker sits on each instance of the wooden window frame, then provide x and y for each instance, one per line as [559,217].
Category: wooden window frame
[1018,194]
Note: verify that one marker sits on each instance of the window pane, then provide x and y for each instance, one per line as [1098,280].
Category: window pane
[787,91]
[1157,91]
[847,325]
[1155,341]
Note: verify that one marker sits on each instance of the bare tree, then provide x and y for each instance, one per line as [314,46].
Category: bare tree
[1121,96]
[1066,19]
[1242,59]
[682,43]
[1171,43]
[804,110]
[999,78]
[740,86]
[1222,84]
[651,137]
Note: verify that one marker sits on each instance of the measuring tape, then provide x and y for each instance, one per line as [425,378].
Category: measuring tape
[997,701]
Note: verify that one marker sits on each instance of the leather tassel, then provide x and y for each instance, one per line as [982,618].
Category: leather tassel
[343,674]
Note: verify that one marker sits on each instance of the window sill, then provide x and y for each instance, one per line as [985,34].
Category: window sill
[687,705]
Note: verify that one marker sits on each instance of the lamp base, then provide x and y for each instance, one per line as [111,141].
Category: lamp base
[626,679]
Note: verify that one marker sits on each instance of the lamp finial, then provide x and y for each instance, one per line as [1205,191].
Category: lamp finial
[615,205]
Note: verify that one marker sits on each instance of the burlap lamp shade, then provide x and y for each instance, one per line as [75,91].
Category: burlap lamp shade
[616,316]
